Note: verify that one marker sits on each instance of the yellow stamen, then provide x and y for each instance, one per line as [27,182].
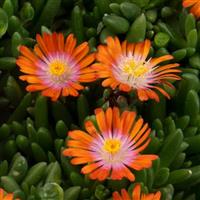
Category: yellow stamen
[134,69]
[58,67]
[140,70]
[129,66]
[112,145]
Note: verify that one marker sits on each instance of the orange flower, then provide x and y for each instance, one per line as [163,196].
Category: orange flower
[136,195]
[126,66]
[56,67]
[113,147]
[195,6]
[4,196]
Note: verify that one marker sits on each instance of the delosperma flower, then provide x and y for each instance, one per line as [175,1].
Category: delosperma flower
[195,6]
[55,66]
[125,65]
[8,196]
[112,148]
[136,195]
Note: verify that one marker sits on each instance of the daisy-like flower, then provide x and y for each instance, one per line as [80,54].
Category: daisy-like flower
[55,66]
[4,196]
[136,195]
[125,65]
[111,148]
[195,6]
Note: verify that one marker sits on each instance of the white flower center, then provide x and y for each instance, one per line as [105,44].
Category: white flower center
[133,72]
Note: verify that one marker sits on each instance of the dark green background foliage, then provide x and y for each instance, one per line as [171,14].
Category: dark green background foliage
[33,129]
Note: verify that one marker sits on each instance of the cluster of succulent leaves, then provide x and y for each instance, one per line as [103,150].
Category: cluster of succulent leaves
[33,129]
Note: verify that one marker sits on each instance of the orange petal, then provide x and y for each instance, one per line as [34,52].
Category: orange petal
[104,56]
[42,44]
[9,197]
[196,9]
[33,88]
[39,53]
[1,193]
[30,79]
[123,120]
[167,72]
[147,45]
[56,94]
[70,44]
[141,148]
[101,120]
[125,195]
[77,86]
[114,84]
[142,135]
[27,53]
[168,77]
[89,126]
[81,51]
[124,47]
[116,118]
[77,152]
[164,67]
[188,3]
[147,157]
[55,40]
[103,74]
[152,95]
[142,95]
[24,62]
[116,196]
[138,52]
[61,41]
[108,82]
[113,47]
[130,48]
[100,174]
[135,166]
[129,174]
[124,87]
[137,126]
[162,91]
[81,160]
[118,174]
[155,61]
[157,196]
[28,70]
[99,66]
[77,144]
[50,92]
[65,92]
[136,192]
[108,116]
[87,60]
[80,135]
[90,168]
[48,40]
[87,70]
[129,121]
[86,78]
[144,163]
[73,92]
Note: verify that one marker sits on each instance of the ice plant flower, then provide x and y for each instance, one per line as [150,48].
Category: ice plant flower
[195,6]
[112,146]
[4,196]
[136,195]
[55,66]
[125,65]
